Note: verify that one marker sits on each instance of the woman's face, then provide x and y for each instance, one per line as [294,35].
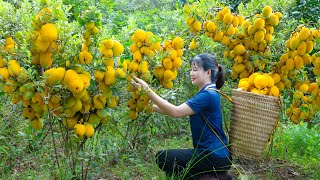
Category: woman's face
[199,76]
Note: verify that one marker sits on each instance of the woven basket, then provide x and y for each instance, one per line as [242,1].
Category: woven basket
[253,120]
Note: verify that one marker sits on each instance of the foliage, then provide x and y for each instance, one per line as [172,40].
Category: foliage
[306,10]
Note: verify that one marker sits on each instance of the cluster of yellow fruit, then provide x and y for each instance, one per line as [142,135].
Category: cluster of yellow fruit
[191,20]
[143,48]
[44,39]
[167,71]
[305,102]
[85,56]
[260,83]
[9,46]
[299,47]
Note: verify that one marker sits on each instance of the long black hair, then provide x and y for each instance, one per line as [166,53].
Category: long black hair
[208,61]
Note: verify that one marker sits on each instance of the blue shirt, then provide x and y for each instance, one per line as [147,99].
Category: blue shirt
[208,102]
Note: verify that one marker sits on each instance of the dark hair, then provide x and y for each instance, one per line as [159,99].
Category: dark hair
[208,61]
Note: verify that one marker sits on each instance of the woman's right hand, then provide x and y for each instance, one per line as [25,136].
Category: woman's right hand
[139,83]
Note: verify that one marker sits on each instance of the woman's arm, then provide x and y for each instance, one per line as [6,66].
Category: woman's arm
[163,106]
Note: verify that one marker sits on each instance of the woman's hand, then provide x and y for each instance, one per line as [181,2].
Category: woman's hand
[139,84]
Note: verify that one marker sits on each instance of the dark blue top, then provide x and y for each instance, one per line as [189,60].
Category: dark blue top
[208,102]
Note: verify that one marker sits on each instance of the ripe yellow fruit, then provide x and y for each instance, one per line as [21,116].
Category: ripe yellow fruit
[290,64]
[158,72]
[231,30]
[70,122]
[276,78]
[260,81]
[167,63]
[110,76]
[168,84]
[48,32]
[239,49]
[259,36]
[301,49]
[193,45]
[274,91]
[310,45]
[211,26]
[273,20]
[298,62]
[80,130]
[268,37]
[304,88]
[37,123]
[168,75]
[4,74]
[304,33]
[85,57]
[140,35]
[243,84]
[238,68]
[266,11]
[235,21]
[196,26]
[259,23]
[117,48]
[294,42]
[177,43]
[137,56]
[89,130]
[227,18]
[13,67]
[133,115]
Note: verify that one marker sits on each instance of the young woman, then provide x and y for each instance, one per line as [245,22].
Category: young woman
[210,154]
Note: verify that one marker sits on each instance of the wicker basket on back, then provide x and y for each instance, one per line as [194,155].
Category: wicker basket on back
[253,120]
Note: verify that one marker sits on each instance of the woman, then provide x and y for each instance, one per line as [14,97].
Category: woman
[210,154]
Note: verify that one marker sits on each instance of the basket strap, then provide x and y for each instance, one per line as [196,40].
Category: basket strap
[214,132]
[222,94]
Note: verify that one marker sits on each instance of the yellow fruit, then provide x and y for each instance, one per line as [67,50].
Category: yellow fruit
[193,45]
[238,68]
[48,32]
[294,43]
[304,33]
[301,49]
[4,74]
[133,66]
[268,37]
[177,43]
[196,26]
[239,49]
[290,64]
[110,76]
[298,62]
[260,81]
[89,130]
[99,75]
[211,26]
[274,91]
[158,72]
[13,67]
[310,45]
[279,15]
[304,88]
[117,48]
[259,36]
[227,18]
[95,30]
[167,63]
[70,122]
[266,11]
[168,75]
[37,123]
[177,62]
[273,20]
[259,23]
[168,84]
[231,30]
[80,130]
[140,35]
[269,29]
[85,57]
[276,77]
[133,115]
[244,85]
